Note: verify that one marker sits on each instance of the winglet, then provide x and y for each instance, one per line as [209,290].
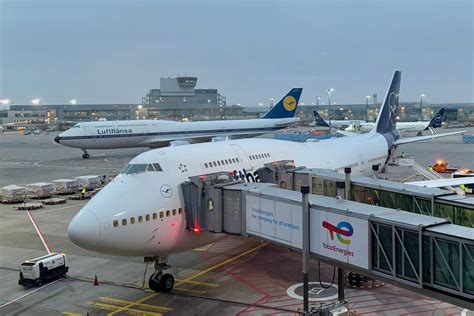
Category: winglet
[286,108]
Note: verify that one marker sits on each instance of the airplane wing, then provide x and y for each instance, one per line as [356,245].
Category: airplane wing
[443,182]
[346,133]
[408,140]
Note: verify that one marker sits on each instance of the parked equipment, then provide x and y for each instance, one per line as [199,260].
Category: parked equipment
[37,271]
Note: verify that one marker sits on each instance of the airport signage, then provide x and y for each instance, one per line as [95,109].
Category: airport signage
[274,220]
[340,237]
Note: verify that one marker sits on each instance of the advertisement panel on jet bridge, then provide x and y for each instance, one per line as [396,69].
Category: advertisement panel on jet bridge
[274,220]
[339,237]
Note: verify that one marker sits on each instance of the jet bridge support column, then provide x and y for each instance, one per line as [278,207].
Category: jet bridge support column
[305,218]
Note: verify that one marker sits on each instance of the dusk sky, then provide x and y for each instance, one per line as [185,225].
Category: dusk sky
[115,51]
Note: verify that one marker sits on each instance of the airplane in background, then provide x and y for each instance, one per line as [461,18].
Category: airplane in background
[419,126]
[160,133]
[142,211]
[334,123]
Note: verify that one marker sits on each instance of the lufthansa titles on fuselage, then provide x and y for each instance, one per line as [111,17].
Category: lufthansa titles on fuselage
[111,131]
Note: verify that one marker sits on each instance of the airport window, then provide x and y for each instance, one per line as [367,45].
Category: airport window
[167,213]
[124,222]
[115,223]
[174,212]
[154,215]
[147,217]
[140,219]
[205,165]
[161,214]
[179,210]
[132,220]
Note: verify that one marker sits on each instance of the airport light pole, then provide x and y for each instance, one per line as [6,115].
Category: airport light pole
[329,91]
[305,250]
[318,98]
[422,96]
[36,101]
[73,101]
[367,98]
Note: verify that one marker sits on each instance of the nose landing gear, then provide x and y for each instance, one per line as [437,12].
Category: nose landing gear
[160,280]
[85,155]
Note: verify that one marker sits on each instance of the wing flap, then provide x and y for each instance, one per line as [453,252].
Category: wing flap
[408,140]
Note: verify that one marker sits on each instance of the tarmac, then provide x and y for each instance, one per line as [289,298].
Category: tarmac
[234,276]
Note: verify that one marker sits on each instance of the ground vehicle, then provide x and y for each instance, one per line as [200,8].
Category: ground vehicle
[37,271]
[441,166]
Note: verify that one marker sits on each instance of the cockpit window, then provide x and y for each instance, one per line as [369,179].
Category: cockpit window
[77,125]
[138,168]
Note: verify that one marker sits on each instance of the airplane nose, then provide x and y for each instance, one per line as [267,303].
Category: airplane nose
[84,230]
[56,139]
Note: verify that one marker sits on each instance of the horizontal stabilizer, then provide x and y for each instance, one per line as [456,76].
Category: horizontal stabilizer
[438,183]
[408,140]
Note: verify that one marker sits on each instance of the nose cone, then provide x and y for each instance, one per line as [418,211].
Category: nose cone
[56,139]
[84,230]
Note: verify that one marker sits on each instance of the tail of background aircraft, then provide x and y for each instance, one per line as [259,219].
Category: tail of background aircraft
[286,108]
[436,120]
[319,120]
[387,118]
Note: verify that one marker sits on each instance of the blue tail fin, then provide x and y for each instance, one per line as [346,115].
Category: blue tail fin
[319,120]
[286,107]
[437,119]
[387,119]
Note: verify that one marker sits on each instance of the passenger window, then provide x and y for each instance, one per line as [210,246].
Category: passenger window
[226,162]
[218,162]
[205,165]
[167,213]
[161,214]
[150,168]
[174,212]
[132,220]
[237,159]
[215,164]
[115,223]
[154,215]
[140,219]
[233,160]
[180,210]
[222,162]
[124,222]
[147,217]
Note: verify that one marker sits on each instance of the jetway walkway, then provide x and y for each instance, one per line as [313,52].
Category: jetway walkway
[425,254]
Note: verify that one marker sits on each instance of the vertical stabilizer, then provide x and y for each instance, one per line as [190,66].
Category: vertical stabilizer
[286,108]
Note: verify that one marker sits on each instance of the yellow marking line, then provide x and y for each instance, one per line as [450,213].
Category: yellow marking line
[71,314]
[190,278]
[132,310]
[203,248]
[197,283]
[125,302]
[189,290]
[409,177]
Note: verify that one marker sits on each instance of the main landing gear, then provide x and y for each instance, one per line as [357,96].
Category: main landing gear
[85,155]
[160,281]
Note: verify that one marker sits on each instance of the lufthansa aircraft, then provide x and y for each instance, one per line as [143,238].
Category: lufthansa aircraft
[419,126]
[158,133]
[141,212]
[318,119]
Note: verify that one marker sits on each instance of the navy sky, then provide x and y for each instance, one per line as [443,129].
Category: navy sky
[108,51]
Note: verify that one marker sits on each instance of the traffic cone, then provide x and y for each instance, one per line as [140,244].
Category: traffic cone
[96,282]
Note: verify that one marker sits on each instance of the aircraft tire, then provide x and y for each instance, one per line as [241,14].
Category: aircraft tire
[166,283]
[85,155]
[154,284]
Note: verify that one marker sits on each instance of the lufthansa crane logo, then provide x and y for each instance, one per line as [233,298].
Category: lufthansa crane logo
[289,103]
[342,229]
[166,191]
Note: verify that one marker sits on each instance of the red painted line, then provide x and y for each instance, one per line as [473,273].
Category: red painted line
[287,299]
[431,310]
[399,302]
[392,309]
[38,230]
[381,299]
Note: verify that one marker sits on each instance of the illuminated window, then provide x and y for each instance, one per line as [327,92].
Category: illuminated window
[167,213]
[132,220]
[174,212]
[147,217]
[140,219]
[162,215]
[115,223]
[154,216]
[124,222]
[180,210]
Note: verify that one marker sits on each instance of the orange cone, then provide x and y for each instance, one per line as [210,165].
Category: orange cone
[96,282]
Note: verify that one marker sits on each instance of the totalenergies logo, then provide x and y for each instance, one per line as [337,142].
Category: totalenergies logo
[289,103]
[342,229]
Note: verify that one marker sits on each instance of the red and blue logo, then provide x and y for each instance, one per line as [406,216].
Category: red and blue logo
[342,229]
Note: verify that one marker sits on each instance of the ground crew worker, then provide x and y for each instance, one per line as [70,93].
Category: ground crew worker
[463,187]
[403,154]
[430,168]
[83,192]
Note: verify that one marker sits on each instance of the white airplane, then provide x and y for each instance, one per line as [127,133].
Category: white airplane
[158,133]
[319,121]
[419,126]
[141,212]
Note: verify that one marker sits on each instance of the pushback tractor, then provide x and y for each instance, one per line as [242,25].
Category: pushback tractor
[43,269]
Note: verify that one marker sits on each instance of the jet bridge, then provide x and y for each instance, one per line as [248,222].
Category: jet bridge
[418,252]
